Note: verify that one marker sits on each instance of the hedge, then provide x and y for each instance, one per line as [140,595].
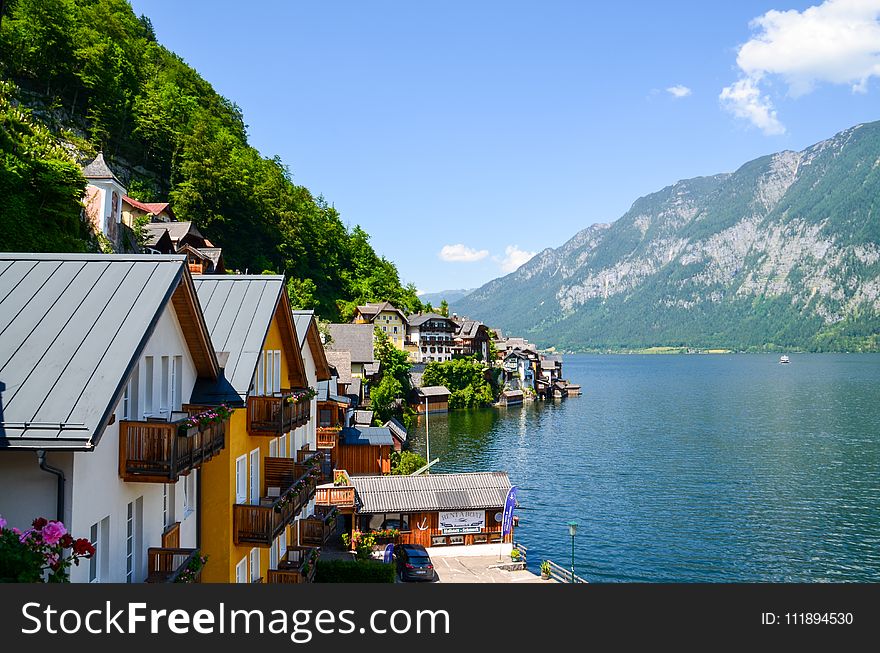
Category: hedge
[350,571]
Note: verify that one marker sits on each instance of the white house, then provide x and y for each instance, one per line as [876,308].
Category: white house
[98,356]
[432,335]
[103,200]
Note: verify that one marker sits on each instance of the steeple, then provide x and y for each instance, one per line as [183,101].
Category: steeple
[98,169]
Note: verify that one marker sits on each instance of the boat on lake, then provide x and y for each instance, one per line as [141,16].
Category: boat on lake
[783,360]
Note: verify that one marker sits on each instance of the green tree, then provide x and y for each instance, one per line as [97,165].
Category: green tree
[404,463]
[464,378]
[444,308]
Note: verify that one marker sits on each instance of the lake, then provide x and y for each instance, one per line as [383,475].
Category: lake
[691,468]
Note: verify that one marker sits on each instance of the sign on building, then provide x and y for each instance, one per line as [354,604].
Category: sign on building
[455,522]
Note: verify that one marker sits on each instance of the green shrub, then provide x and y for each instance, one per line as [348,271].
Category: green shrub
[350,571]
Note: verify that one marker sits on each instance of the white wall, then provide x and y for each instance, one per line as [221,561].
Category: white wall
[309,432]
[98,492]
[27,492]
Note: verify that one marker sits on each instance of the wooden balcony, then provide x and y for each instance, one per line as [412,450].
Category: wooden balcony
[161,452]
[173,565]
[341,494]
[261,524]
[276,415]
[327,436]
[319,527]
[298,566]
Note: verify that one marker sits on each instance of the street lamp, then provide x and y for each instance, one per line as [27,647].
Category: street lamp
[572,530]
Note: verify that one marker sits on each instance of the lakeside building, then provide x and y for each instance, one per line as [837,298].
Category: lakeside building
[471,338]
[99,359]
[263,482]
[428,509]
[430,399]
[429,337]
[385,316]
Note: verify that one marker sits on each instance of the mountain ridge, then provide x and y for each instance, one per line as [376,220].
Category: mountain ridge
[781,253]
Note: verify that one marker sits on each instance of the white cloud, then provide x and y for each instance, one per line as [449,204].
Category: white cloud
[744,100]
[678,91]
[459,253]
[513,258]
[836,42]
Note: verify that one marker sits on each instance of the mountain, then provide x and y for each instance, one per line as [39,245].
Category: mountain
[783,253]
[434,298]
[82,76]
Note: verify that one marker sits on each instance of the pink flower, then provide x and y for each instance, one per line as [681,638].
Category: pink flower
[2,523]
[52,559]
[53,532]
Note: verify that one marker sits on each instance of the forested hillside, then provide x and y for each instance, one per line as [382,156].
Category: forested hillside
[81,76]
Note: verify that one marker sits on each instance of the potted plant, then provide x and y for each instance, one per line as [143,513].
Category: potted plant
[515,555]
[545,570]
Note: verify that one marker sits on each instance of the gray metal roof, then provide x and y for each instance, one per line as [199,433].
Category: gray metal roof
[398,430]
[421,318]
[301,322]
[433,391]
[238,310]
[72,327]
[367,435]
[356,339]
[430,492]
[324,394]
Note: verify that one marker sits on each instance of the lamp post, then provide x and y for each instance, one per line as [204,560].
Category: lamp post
[572,530]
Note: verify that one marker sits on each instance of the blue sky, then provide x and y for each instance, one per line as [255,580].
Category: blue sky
[465,135]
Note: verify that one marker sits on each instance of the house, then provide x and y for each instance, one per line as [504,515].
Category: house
[255,492]
[430,399]
[158,241]
[430,337]
[471,338]
[341,361]
[510,398]
[204,260]
[334,412]
[133,209]
[386,317]
[102,203]
[429,509]
[364,450]
[519,369]
[357,340]
[99,357]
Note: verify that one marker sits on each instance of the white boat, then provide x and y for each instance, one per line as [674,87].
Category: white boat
[784,359]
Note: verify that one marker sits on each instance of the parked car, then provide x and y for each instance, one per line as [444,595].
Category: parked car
[413,562]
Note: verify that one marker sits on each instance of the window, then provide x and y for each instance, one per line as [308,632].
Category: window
[276,379]
[93,561]
[255,564]
[129,544]
[387,521]
[168,496]
[282,446]
[165,397]
[241,479]
[273,448]
[125,402]
[189,493]
[261,375]
[395,329]
[241,571]
[99,564]
[177,383]
[274,556]
[255,477]
[325,418]
[148,385]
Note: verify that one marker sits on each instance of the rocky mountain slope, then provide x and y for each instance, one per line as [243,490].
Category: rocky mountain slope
[782,253]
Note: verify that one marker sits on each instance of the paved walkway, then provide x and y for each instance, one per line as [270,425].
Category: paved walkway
[479,569]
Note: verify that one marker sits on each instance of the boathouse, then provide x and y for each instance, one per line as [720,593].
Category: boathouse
[433,509]
[436,397]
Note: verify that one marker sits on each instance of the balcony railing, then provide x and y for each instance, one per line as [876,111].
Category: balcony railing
[298,566]
[319,527]
[173,565]
[276,415]
[327,436]
[261,524]
[318,462]
[160,452]
[340,494]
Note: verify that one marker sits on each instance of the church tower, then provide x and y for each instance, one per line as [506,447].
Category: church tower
[103,200]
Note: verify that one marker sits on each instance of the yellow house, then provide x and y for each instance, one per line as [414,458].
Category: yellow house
[263,482]
[385,316]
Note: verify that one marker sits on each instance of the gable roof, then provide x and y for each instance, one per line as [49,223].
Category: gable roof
[357,339]
[431,492]
[371,309]
[98,169]
[341,360]
[418,320]
[363,417]
[432,391]
[324,394]
[72,329]
[155,208]
[306,327]
[376,436]
[239,310]
[397,429]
